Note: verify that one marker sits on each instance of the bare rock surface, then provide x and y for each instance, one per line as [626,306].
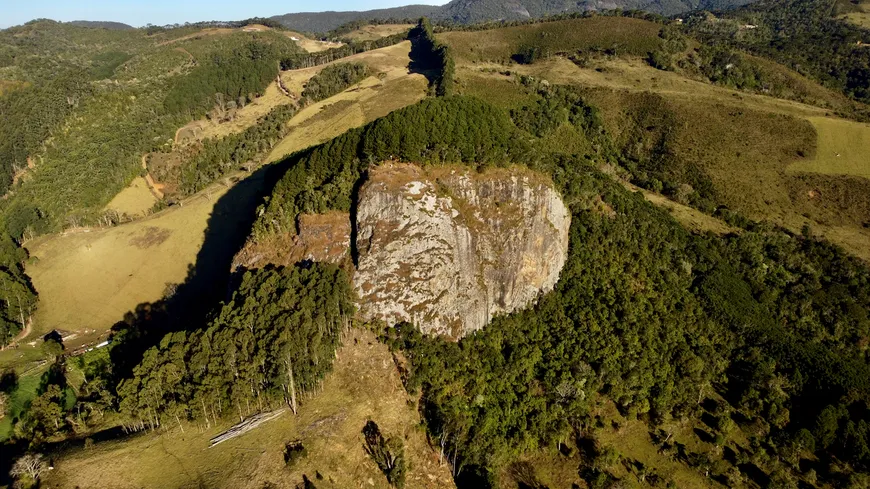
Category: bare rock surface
[449,248]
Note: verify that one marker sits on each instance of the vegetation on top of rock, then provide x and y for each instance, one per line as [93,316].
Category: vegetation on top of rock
[322,178]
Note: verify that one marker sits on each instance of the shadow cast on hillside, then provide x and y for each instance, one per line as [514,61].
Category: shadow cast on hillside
[209,280]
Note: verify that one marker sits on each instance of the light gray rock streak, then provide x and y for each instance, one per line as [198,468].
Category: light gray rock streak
[448,249]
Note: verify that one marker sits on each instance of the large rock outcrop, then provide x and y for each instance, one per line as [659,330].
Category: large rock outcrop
[449,248]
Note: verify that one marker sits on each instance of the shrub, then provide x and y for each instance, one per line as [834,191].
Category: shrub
[388,453]
[293,452]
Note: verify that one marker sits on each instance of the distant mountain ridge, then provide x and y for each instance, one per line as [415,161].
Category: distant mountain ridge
[322,22]
[474,11]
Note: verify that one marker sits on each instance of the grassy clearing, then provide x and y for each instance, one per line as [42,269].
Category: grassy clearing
[25,355]
[248,115]
[749,149]
[87,280]
[311,45]
[625,35]
[364,385]
[244,118]
[843,148]
[635,75]
[632,440]
[7,86]
[373,32]
[497,90]
[691,218]
[135,200]
[860,16]
[28,384]
[391,60]
[861,19]
[216,31]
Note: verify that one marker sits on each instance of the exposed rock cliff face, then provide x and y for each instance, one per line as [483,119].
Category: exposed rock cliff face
[450,248]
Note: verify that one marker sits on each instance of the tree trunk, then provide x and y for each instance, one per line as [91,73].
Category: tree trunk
[293,405]
[205,413]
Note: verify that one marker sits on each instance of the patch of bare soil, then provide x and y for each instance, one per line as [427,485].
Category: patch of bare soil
[150,236]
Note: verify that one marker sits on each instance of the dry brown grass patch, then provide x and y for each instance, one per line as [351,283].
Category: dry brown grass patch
[374,32]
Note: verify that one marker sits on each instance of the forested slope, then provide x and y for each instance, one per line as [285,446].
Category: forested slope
[802,34]
[92,102]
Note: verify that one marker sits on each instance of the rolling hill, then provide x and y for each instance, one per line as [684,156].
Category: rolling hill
[98,24]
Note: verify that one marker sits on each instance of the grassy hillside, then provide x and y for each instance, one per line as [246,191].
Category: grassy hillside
[364,385]
[596,34]
[162,83]
[101,24]
[376,31]
[477,11]
[841,149]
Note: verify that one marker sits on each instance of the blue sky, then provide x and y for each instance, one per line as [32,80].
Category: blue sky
[160,12]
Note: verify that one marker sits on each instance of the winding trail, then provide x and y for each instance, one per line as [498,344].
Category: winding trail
[24,333]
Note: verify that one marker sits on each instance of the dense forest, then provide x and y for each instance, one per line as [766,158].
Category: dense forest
[29,116]
[270,344]
[801,34]
[432,57]
[240,75]
[17,296]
